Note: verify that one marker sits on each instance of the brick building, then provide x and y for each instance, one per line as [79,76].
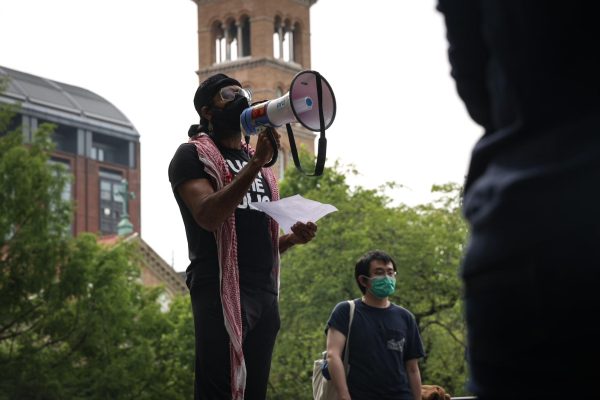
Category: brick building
[261,43]
[94,141]
[100,147]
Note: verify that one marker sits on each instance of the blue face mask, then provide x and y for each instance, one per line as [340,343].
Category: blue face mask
[382,286]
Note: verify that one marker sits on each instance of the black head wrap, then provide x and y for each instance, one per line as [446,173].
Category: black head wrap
[204,95]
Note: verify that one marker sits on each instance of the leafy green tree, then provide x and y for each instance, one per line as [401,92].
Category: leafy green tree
[426,241]
[75,323]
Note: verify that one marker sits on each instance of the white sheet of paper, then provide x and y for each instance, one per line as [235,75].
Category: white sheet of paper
[289,210]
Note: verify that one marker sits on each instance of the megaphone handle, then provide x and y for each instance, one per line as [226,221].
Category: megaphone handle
[322,149]
[322,140]
[274,144]
[321,156]
[293,148]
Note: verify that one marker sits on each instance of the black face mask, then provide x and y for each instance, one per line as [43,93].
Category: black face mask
[226,121]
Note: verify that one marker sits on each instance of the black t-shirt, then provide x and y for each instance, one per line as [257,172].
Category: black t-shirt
[381,341]
[254,243]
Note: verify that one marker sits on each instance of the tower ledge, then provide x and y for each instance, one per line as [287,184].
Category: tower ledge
[303,2]
[248,63]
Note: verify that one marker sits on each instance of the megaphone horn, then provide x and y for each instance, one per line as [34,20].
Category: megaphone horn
[310,101]
[299,104]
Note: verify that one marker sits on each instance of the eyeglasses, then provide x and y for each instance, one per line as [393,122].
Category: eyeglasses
[381,272]
[228,93]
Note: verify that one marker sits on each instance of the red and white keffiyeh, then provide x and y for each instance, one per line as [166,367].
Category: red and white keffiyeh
[225,236]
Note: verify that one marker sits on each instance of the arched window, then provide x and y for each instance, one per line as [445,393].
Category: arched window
[297,43]
[288,41]
[245,36]
[232,40]
[219,38]
[284,41]
[277,38]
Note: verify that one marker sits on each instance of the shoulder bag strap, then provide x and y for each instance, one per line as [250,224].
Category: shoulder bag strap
[347,349]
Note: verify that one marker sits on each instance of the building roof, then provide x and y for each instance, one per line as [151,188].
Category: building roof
[62,98]
[173,281]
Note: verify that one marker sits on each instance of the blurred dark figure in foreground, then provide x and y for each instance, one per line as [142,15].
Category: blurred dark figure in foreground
[527,73]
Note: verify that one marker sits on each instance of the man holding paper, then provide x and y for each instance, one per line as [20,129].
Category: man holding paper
[234,248]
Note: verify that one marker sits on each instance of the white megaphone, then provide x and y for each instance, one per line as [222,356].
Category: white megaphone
[310,101]
[300,104]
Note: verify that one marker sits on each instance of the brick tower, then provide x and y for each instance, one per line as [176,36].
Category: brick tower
[262,44]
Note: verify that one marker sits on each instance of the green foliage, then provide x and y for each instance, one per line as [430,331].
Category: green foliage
[7,111]
[426,242]
[75,323]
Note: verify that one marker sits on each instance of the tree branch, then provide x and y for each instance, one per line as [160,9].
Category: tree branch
[447,329]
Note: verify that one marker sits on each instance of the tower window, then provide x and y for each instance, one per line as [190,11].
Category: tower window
[283,40]
[245,46]
[232,40]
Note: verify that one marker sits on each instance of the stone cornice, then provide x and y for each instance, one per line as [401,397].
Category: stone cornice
[172,280]
[68,116]
[307,3]
[248,63]
[262,18]
[174,283]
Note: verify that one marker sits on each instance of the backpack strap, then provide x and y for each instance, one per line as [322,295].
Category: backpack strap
[347,347]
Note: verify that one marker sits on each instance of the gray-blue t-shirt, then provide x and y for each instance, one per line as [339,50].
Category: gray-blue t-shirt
[381,341]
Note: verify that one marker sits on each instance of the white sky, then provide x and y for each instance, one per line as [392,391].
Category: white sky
[398,116]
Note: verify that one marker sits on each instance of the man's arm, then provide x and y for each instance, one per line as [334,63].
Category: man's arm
[210,208]
[335,346]
[414,377]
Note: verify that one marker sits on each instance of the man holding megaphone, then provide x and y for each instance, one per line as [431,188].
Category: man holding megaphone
[233,276]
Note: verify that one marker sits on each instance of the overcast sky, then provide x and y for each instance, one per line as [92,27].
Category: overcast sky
[398,116]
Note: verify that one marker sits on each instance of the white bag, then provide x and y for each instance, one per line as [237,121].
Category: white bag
[322,388]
